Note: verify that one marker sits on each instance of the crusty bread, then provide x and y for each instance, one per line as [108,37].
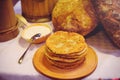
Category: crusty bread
[109,14]
[74,15]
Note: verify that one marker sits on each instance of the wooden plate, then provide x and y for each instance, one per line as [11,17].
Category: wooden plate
[42,66]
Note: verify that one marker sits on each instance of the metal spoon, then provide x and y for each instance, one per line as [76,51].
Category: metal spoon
[34,37]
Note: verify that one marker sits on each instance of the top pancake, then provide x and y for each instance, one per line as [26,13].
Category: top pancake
[62,42]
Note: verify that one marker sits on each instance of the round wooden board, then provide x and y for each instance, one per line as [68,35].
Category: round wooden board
[42,66]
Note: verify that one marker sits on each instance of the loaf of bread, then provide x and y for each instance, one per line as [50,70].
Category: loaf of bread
[109,14]
[74,16]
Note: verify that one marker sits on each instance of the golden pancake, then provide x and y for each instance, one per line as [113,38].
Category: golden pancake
[62,42]
[65,57]
[69,55]
[66,65]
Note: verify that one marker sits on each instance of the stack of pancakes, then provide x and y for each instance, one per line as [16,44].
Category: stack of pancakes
[65,49]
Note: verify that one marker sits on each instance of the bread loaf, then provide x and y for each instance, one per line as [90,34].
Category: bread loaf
[74,16]
[109,14]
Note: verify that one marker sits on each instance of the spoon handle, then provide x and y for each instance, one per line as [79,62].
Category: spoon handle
[22,21]
[22,57]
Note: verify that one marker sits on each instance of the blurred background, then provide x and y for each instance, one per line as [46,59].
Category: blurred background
[14,1]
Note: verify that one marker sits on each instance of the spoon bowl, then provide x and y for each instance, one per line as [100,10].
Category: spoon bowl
[35,37]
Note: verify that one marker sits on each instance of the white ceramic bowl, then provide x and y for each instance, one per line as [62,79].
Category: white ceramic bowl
[42,28]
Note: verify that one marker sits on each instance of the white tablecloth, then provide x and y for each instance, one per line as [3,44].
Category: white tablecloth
[108,57]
